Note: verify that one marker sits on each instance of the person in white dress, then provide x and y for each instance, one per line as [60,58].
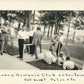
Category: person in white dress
[69,65]
[49,58]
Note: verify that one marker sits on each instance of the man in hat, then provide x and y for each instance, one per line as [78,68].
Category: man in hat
[60,40]
[37,37]
[54,42]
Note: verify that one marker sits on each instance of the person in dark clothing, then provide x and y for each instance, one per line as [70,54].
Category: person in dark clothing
[21,42]
[58,48]
[37,37]
[60,40]
[21,38]
[31,46]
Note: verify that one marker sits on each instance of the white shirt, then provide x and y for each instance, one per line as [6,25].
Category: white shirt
[49,58]
[27,34]
[12,31]
[22,34]
[61,39]
[31,33]
[68,64]
[5,29]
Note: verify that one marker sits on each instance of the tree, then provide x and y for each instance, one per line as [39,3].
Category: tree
[28,18]
[68,15]
[76,25]
[44,19]
[52,18]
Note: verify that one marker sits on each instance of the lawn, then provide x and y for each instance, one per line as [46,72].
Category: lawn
[75,51]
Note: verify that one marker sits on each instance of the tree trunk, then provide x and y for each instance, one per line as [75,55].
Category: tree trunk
[55,30]
[74,35]
[24,23]
[68,31]
[56,27]
[44,30]
[0,21]
[48,31]
[6,17]
[28,19]
[34,16]
[75,29]
[51,31]
[18,25]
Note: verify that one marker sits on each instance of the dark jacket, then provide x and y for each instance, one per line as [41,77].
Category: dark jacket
[37,37]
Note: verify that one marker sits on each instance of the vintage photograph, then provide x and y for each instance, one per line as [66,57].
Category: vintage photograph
[41,40]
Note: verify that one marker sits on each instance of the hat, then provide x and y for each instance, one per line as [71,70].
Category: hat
[38,28]
[61,32]
[61,53]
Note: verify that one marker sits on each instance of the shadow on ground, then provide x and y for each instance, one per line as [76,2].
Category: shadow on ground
[42,65]
[12,50]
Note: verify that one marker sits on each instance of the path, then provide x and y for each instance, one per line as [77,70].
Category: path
[13,63]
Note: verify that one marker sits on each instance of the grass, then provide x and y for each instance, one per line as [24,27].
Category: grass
[75,51]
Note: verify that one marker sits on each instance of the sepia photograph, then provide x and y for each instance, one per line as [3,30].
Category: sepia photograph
[41,39]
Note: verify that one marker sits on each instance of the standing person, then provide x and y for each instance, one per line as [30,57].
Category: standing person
[60,40]
[54,42]
[37,37]
[5,35]
[2,41]
[12,35]
[61,59]
[21,38]
[32,48]
[27,32]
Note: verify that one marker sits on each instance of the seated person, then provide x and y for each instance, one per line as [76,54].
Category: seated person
[61,59]
[69,65]
[49,57]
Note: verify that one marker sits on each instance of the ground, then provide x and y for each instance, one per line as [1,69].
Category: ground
[75,52]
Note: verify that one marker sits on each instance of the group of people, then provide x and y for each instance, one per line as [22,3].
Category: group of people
[63,61]
[29,37]
[7,34]
[33,39]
